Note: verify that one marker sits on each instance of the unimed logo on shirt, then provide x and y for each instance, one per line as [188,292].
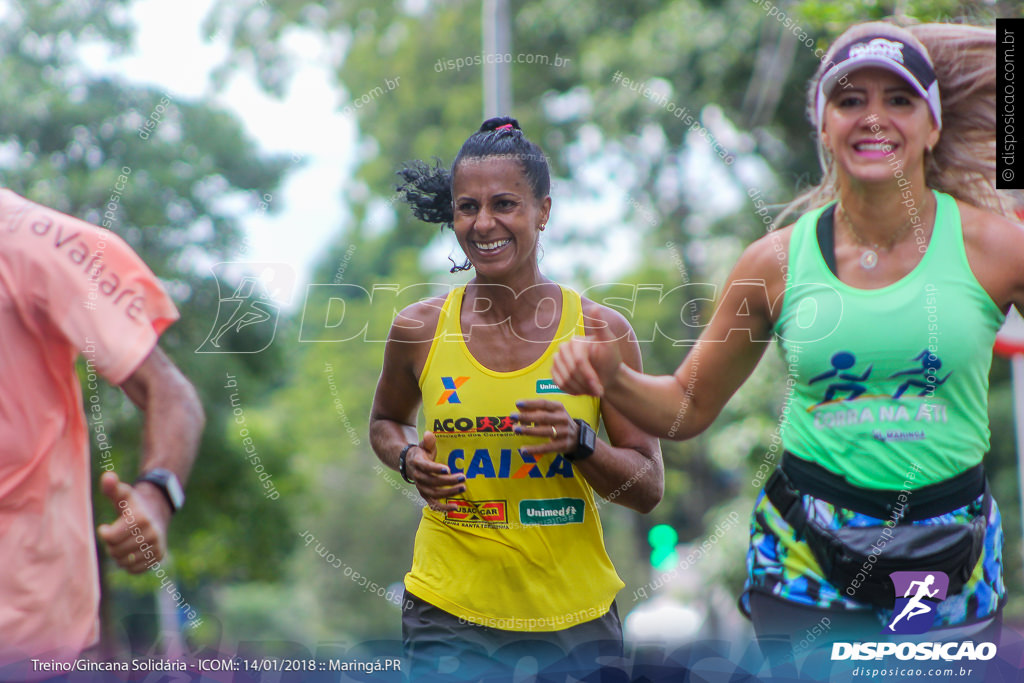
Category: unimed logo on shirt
[548,386]
[551,511]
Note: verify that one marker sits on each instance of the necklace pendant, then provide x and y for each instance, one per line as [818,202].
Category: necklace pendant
[868,259]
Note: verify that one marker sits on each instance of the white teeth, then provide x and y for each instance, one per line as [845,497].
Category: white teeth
[873,147]
[491,246]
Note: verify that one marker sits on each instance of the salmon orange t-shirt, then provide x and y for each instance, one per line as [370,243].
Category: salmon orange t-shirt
[66,288]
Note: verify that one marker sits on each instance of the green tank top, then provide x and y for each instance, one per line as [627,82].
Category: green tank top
[889,386]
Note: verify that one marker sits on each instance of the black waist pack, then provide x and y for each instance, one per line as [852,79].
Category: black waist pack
[858,560]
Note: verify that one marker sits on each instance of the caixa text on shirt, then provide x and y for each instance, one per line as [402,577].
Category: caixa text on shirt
[68,242]
[483,464]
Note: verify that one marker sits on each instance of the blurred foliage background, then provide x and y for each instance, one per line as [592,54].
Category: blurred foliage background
[640,198]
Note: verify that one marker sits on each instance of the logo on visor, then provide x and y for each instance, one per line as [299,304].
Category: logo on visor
[879,47]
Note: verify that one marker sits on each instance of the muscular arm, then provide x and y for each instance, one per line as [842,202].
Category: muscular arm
[995,251]
[174,421]
[628,470]
[397,400]
[682,405]
[174,415]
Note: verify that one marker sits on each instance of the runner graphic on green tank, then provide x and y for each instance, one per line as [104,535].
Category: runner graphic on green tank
[843,360]
[930,365]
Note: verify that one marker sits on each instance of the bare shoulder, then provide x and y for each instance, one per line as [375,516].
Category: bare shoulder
[995,250]
[417,323]
[765,264]
[989,231]
[767,257]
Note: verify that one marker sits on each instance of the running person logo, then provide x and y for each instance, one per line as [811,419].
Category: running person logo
[451,384]
[248,307]
[918,595]
[845,383]
[851,382]
[925,378]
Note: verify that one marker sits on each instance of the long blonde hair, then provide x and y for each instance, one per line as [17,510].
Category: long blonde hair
[963,163]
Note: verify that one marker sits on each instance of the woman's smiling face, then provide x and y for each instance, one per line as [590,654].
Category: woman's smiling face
[497,218]
[877,114]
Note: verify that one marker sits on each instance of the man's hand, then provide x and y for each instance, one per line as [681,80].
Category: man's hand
[139,536]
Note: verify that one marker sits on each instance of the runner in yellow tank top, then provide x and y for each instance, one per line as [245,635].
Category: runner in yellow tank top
[509,558]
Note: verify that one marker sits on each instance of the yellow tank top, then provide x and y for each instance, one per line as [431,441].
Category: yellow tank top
[525,549]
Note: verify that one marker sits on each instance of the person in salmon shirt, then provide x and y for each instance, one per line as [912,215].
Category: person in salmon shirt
[69,288]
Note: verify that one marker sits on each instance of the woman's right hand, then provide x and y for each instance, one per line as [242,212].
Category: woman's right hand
[588,365]
[433,480]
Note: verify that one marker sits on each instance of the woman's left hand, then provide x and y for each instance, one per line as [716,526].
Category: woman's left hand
[550,419]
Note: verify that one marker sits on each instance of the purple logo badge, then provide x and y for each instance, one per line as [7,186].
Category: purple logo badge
[918,595]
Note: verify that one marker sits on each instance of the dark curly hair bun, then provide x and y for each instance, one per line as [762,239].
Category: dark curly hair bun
[497,122]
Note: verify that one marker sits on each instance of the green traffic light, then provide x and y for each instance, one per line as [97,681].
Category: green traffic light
[663,539]
[662,535]
[664,559]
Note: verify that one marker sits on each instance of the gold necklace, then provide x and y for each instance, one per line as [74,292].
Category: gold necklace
[869,256]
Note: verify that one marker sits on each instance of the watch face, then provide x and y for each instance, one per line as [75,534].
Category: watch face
[588,438]
[175,491]
[167,481]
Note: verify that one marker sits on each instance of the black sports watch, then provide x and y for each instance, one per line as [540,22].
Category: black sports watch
[586,441]
[168,483]
[401,463]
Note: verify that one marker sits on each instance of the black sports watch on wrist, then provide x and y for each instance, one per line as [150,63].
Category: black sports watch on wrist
[401,463]
[168,483]
[586,441]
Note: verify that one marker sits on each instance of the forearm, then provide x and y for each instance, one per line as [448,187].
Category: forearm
[174,422]
[388,438]
[659,405]
[173,426]
[625,476]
